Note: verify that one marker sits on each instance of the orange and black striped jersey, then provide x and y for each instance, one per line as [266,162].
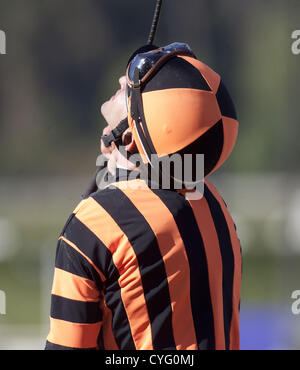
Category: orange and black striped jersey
[142,268]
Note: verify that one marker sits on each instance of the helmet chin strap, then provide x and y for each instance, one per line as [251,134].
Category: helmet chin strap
[115,135]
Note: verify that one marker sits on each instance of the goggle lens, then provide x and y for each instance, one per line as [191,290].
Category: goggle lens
[145,61]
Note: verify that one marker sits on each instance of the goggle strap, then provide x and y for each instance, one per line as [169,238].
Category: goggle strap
[137,113]
[156,66]
[163,60]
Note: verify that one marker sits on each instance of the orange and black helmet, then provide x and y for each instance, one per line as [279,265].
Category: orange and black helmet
[177,104]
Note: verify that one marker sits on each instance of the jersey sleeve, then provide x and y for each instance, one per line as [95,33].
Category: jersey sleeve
[76,298]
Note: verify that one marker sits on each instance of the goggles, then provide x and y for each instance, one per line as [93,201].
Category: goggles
[139,70]
[147,63]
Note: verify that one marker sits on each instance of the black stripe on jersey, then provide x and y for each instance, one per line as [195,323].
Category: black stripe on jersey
[75,311]
[199,283]
[177,73]
[100,340]
[146,248]
[93,248]
[52,346]
[68,259]
[120,324]
[67,223]
[227,259]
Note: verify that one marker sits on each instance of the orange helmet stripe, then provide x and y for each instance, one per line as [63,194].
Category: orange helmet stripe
[211,77]
[168,128]
[230,130]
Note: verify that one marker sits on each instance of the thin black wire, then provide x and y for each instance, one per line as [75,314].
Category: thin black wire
[154,22]
[93,184]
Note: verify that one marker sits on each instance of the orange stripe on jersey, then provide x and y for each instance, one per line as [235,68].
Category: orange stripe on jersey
[95,218]
[74,335]
[68,285]
[107,332]
[234,327]
[175,260]
[86,257]
[79,205]
[214,262]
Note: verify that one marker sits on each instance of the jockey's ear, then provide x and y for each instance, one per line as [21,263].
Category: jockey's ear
[128,141]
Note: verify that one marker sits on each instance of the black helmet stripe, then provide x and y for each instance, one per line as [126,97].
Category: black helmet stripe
[225,102]
[177,73]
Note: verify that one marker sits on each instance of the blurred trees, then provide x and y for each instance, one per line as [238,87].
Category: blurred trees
[64,59]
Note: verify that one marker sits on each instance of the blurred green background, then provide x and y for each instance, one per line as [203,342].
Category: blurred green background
[63,61]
